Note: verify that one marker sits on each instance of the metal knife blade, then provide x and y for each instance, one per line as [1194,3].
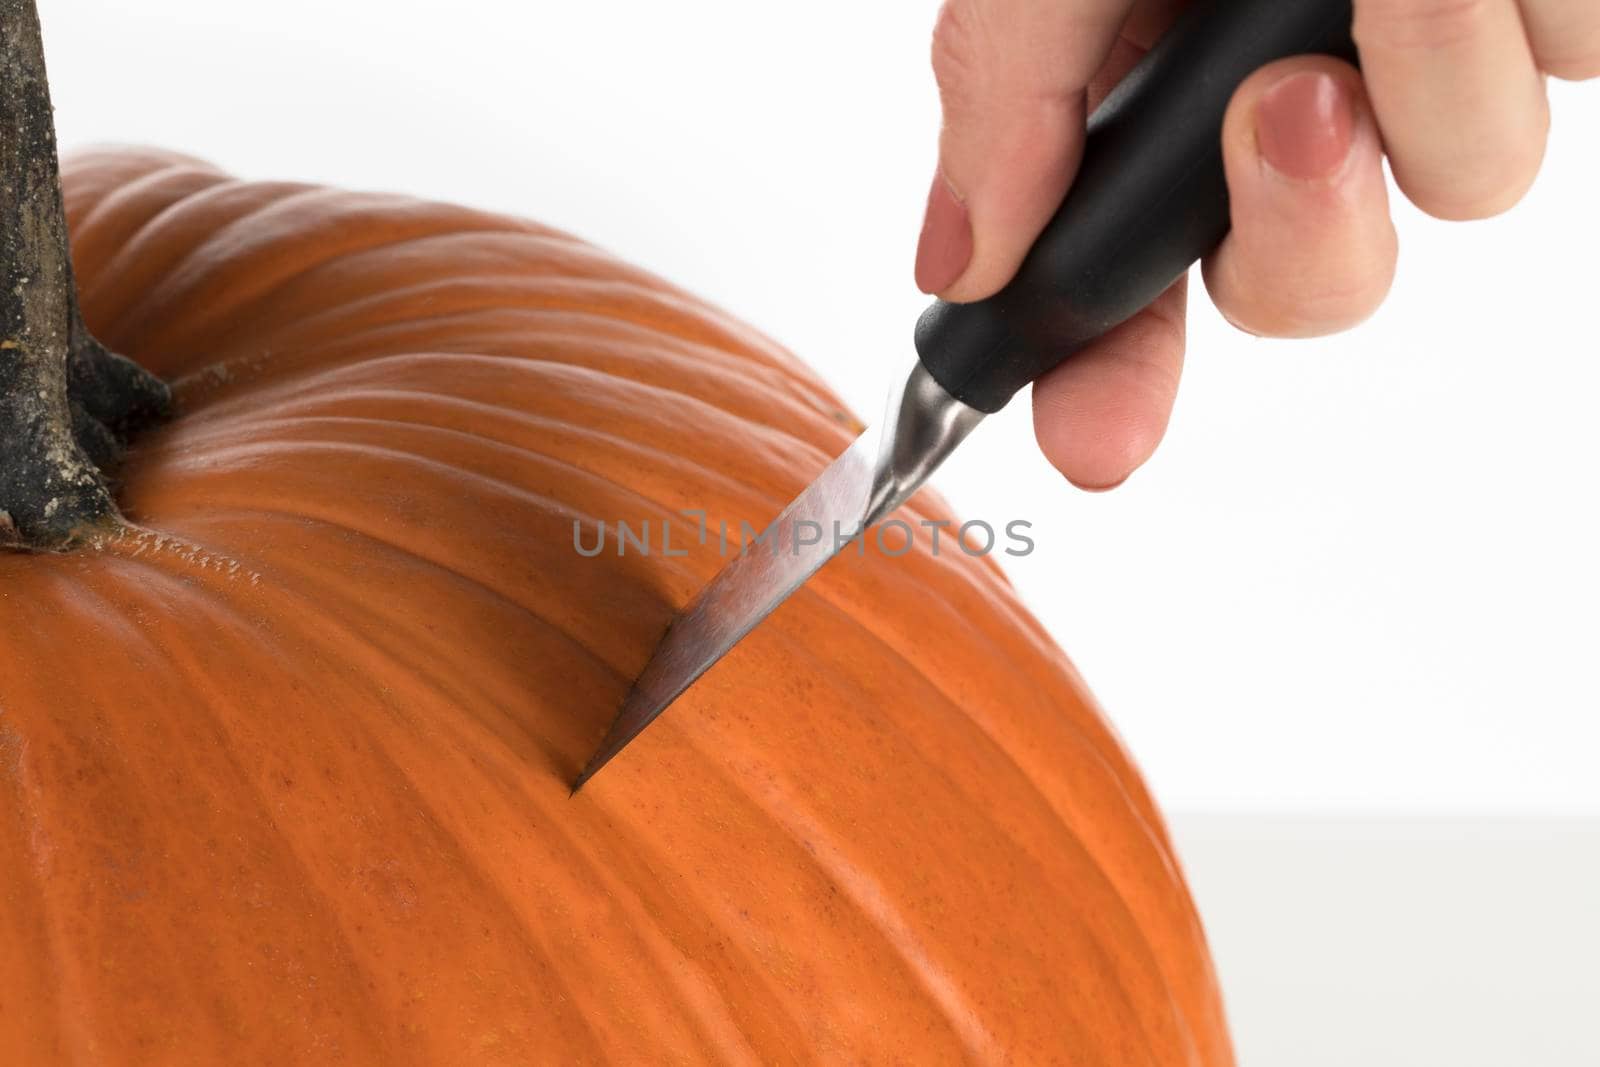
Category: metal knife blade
[875,475]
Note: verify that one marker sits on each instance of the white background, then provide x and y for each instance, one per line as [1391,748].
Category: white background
[1359,580]
[1361,573]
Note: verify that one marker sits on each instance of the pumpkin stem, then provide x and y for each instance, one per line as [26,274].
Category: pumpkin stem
[68,405]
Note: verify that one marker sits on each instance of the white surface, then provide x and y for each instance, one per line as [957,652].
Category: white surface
[1402,943]
[1362,572]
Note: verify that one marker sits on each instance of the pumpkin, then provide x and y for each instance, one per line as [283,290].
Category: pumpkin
[285,759]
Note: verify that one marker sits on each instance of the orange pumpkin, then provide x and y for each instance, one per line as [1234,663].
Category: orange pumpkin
[284,762]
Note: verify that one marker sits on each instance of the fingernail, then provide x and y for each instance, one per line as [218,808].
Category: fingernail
[1305,125]
[945,247]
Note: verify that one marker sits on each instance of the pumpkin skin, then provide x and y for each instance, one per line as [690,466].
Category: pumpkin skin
[284,763]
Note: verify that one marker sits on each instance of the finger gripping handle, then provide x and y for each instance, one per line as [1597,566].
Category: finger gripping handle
[1148,201]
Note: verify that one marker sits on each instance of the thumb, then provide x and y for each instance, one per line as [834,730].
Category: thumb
[1012,76]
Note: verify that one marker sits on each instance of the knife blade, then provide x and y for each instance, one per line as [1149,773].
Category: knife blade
[1149,199]
[921,426]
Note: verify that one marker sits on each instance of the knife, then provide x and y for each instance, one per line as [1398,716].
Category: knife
[1148,201]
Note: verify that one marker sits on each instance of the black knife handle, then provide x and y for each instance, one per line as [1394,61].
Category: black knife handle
[1149,199]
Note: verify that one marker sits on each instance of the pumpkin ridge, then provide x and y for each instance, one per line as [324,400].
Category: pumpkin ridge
[663,509]
[959,1015]
[621,675]
[733,330]
[545,334]
[265,364]
[297,255]
[106,293]
[1085,738]
[213,293]
[380,208]
[28,902]
[772,999]
[93,170]
[110,761]
[302,595]
[1000,596]
[1090,743]
[617,300]
[721,914]
[665,945]
[774,383]
[1090,933]
[240,318]
[481,732]
[109,224]
[500,486]
[315,394]
[766,998]
[109,198]
[298,391]
[336,916]
[295,383]
[187,664]
[644,388]
[551,338]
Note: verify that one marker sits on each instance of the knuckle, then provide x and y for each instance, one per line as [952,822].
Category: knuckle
[953,44]
[1420,24]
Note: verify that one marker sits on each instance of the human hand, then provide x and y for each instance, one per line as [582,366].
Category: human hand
[1453,91]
